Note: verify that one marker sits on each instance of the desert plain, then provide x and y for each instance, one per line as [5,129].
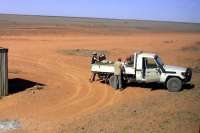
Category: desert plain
[50,90]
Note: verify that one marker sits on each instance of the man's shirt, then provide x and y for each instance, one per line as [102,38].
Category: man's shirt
[118,68]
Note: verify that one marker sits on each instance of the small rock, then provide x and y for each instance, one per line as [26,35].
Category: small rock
[9,125]
[38,87]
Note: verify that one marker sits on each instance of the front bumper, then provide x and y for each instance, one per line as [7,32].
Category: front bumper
[188,75]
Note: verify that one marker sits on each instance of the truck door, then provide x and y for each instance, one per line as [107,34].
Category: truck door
[151,72]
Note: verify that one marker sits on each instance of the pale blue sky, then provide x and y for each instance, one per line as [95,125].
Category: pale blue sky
[167,10]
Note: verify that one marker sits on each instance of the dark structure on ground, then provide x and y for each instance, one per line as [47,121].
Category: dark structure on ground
[3,72]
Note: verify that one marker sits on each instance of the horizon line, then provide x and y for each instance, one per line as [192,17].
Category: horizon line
[84,17]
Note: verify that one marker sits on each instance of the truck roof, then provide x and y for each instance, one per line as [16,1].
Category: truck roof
[151,55]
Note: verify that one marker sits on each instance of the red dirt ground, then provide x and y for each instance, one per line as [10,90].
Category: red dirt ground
[70,103]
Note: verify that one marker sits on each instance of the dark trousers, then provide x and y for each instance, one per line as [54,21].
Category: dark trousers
[93,76]
[118,82]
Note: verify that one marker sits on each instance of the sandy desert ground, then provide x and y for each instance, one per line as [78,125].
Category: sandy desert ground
[68,103]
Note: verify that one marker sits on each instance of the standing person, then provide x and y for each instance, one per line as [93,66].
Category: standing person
[118,74]
[94,58]
[93,61]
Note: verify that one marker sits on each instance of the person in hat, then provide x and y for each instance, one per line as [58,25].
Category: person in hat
[94,58]
[93,61]
[102,57]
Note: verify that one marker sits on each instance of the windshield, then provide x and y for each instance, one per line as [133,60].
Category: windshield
[159,61]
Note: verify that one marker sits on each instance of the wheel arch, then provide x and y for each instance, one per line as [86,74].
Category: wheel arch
[168,77]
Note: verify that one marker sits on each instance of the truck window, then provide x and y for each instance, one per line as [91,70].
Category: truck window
[129,61]
[150,63]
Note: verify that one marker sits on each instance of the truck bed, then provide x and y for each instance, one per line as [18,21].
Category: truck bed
[108,67]
[103,67]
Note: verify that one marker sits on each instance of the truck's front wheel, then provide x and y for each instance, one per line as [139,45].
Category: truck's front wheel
[174,84]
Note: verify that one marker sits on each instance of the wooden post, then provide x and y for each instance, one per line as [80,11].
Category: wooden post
[3,72]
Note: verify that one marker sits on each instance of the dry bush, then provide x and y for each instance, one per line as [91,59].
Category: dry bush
[83,52]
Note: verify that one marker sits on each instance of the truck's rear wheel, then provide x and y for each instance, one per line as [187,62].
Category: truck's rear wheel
[111,81]
[174,84]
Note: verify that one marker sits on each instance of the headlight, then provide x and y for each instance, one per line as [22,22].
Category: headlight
[183,74]
[187,74]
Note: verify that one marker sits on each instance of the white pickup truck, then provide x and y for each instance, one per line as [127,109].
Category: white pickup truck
[147,68]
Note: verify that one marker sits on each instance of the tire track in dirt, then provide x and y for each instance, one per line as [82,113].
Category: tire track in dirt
[28,60]
[84,102]
[79,79]
[101,102]
[45,65]
[77,100]
[76,80]
[60,79]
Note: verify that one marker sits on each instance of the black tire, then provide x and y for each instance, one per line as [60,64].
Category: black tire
[174,84]
[111,81]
